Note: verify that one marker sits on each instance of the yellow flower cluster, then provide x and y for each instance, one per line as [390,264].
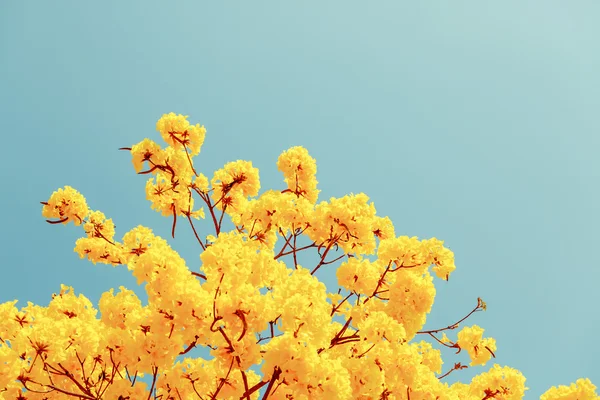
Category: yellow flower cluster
[179,134]
[348,222]
[582,389]
[233,184]
[67,205]
[299,171]
[480,350]
[246,303]
[503,383]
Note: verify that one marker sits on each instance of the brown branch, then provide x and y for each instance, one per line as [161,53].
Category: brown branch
[206,199]
[222,383]
[155,371]
[334,309]
[72,378]
[240,315]
[332,261]
[456,367]
[229,343]
[369,349]
[274,377]
[190,346]
[174,220]
[287,242]
[246,394]
[479,307]
[452,346]
[186,150]
[295,250]
[322,261]
[199,275]
[60,221]
[194,229]
[254,388]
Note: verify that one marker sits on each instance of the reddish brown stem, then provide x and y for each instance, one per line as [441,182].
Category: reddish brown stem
[275,376]
[190,347]
[199,275]
[455,325]
[195,233]
[174,220]
[322,261]
[60,221]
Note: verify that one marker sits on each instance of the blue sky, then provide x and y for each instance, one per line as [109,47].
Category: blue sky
[472,122]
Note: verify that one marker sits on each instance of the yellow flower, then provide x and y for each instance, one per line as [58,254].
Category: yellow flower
[583,389]
[503,383]
[233,184]
[145,151]
[247,305]
[480,350]
[66,205]
[299,171]
[178,133]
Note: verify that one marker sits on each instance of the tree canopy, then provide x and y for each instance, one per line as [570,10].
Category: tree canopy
[274,330]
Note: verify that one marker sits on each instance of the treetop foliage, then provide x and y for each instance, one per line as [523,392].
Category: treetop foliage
[271,325]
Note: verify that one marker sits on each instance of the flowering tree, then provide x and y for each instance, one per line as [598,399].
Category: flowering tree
[246,304]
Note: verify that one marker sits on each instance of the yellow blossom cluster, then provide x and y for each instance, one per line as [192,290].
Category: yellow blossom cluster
[480,350]
[234,184]
[299,172]
[582,389]
[67,205]
[272,327]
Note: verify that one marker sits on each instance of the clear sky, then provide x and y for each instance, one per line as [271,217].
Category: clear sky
[474,122]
